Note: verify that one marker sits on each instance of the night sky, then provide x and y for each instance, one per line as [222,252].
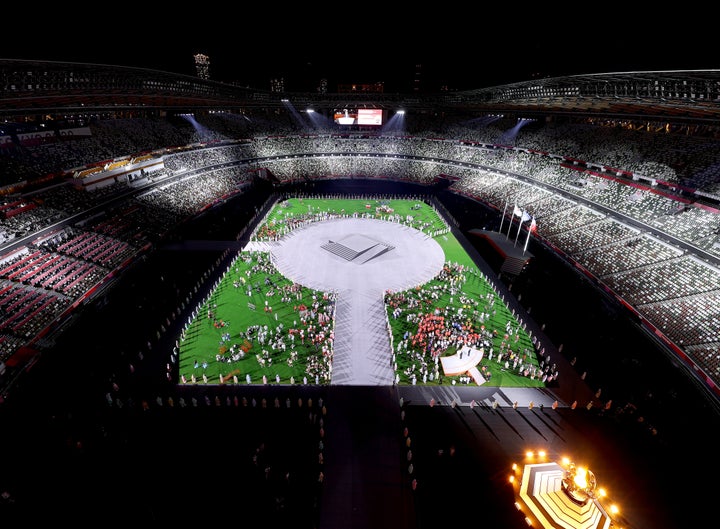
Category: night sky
[458,47]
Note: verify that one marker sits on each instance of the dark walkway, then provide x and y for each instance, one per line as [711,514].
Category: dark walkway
[367,484]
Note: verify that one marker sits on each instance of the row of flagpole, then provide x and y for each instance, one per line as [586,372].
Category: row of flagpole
[524,217]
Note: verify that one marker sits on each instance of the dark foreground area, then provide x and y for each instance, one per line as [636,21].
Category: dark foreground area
[97,433]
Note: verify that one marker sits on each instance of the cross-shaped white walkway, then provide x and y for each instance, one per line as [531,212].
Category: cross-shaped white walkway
[362,352]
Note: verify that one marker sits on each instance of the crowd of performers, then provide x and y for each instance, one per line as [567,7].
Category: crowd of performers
[442,316]
[305,345]
[276,228]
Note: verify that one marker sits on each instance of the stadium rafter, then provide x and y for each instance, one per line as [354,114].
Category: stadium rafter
[37,87]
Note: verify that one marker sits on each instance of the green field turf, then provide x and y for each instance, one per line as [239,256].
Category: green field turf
[259,327]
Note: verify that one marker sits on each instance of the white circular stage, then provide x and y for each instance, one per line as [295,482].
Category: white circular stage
[358,254]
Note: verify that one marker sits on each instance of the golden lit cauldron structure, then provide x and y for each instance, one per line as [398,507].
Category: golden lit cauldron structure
[579,483]
[559,496]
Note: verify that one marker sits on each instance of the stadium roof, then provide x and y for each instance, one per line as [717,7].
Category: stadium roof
[37,87]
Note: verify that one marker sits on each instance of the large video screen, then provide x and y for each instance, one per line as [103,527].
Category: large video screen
[370,116]
[360,116]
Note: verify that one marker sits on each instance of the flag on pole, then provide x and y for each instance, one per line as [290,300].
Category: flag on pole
[524,217]
[531,229]
[517,212]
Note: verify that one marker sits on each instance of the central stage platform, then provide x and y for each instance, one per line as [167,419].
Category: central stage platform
[514,259]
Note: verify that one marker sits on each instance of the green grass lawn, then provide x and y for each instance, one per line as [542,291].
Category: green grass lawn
[259,327]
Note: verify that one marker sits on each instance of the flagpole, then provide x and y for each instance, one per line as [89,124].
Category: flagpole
[527,239]
[517,235]
[512,217]
[503,215]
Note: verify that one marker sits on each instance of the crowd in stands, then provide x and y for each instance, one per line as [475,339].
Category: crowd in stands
[655,249]
[185,197]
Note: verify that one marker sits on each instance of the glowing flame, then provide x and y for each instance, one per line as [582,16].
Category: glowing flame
[580,478]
